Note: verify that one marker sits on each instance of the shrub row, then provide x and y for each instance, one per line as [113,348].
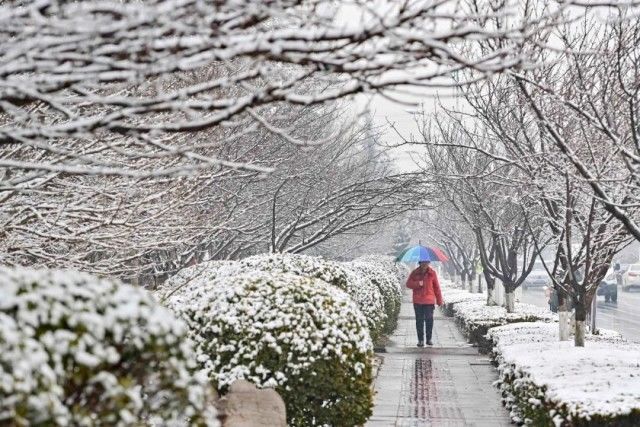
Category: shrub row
[547,382]
[301,324]
[475,318]
[80,350]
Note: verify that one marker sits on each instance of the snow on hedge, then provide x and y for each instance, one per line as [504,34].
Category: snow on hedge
[366,295]
[79,350]
[303,265]
[548,382]
[455,296]
[529,332]
[478,313]
[189,281]
[388,285]
[389,264]
[369,300]
[298,334]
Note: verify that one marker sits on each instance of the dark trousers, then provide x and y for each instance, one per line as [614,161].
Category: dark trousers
[424,320]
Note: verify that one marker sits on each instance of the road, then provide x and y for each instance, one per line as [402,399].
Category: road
[623,317]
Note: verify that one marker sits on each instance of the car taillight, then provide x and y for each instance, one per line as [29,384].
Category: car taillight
[633,274]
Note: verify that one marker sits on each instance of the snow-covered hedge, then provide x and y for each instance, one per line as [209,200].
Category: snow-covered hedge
[366,295]
[298,334]
[188,281]
[454,296]
[79,350]
[388,285]
[302,265]
[546,382]
[388,263]
[475,318]
[529,332]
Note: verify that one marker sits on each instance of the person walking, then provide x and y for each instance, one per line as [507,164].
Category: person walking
[426,293]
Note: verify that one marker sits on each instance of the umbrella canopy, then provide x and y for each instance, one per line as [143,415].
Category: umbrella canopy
[421,253]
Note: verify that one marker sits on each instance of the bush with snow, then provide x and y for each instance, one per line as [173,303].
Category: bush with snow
[298,334]
[366,295]
[79,350]
[388,263]
[454,296]
[388,285]
[189,281]
[302,265]
[475,318]
[546,382]
[529,332]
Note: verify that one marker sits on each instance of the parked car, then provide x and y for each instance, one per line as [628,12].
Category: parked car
[609,287]
[631,277]
[537,278]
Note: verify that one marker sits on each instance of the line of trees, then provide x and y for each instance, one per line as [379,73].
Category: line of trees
[547,158]
[138,137]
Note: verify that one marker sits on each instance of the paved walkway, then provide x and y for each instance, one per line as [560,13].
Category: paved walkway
[448,384]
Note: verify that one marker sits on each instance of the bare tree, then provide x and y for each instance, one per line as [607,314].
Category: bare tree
[487,194]
[584,234]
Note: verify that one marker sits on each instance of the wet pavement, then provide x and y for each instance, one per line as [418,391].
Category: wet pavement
[447,385]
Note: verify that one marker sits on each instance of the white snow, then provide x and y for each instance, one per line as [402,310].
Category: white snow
[65,336]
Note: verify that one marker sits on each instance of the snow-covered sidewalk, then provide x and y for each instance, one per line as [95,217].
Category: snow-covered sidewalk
[447,384]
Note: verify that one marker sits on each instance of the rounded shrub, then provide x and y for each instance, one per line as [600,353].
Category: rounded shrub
[366,295]
[369,300]
[400,269]
[189,281]
[298,334]
[303,265]
[387,284]
[79,350]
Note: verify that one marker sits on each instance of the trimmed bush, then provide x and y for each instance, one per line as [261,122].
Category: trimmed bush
[79,350]
[454,296]
[302,265]
[389,287]
[295,333]
[189,280]
[546,382]
[388,263]
[366,295]
[369,300]
[475,318]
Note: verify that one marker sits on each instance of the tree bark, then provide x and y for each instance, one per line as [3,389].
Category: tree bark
[581,315]
[491,301]
[509,301]
[579,333]
[563,325]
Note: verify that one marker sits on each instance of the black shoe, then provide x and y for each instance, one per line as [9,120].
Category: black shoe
[429,342]
[420,344]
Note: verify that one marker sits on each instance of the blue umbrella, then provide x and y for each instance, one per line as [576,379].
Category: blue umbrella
[421,253]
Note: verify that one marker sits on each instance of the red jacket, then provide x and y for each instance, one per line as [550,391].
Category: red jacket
[429,292]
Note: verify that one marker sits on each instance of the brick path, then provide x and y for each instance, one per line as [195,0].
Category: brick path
[448,384]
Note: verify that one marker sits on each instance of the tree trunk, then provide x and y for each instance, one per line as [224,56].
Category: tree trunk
[509,301]
[491,301]
[563,317]
[579,333]
[581,315]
